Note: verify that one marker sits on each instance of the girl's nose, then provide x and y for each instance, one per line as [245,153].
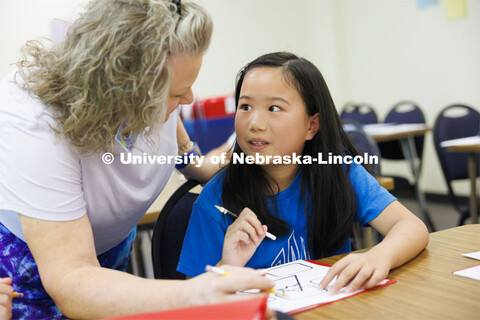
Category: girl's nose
[257,122]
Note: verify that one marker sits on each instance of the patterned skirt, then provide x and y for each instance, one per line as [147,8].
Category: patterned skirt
[17,262]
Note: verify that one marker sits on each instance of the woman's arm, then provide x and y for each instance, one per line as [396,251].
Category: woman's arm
[6,293]
[207,170]
[71,274]
[405,236]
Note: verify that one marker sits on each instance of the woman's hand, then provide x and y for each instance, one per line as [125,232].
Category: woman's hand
[243,237]
[6,293]
[357,271]
[209,287]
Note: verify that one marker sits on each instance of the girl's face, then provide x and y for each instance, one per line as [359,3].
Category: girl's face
[183,73]
[271,115]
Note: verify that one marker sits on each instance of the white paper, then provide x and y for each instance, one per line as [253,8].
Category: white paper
[385,129]
[473,255]
[472,272]
[298,281]
[467,141]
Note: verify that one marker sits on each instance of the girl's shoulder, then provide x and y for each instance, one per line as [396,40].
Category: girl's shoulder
[210,196]
[212,191]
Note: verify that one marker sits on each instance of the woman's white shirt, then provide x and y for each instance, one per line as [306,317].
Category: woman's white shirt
[41,175]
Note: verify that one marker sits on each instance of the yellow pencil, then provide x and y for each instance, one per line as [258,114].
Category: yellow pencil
[18,295]
[224,273]
[217,270]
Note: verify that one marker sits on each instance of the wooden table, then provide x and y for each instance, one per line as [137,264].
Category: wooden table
[405,133]
[425,288]
[386,182]
[472,150]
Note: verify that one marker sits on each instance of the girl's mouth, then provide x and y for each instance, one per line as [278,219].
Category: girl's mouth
[258,145]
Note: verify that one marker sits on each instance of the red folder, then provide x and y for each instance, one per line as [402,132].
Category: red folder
[251,309]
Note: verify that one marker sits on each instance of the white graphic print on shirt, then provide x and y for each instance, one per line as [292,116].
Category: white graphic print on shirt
[294,251]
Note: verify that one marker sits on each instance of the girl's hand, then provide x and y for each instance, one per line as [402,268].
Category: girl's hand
[209,287]
[6,293]
[243,237]
[357,270]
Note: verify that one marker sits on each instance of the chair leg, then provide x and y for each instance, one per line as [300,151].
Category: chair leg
[463,217]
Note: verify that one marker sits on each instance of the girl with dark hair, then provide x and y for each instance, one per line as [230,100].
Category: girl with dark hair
[285,112]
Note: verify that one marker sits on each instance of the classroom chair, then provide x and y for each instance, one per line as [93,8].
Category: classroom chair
[454,165]
[362,113]
[363,237]
[169,232]
[405,111]
[362,142]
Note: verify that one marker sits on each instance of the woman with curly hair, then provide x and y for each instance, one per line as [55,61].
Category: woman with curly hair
[67,218]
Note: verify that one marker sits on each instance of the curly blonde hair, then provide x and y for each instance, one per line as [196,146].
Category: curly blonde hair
[111,67]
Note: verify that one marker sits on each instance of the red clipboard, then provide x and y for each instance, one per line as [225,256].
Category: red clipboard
[250,309]
[313,306]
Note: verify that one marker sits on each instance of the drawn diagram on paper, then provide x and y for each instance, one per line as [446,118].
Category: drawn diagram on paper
[288,285]
[296,286]
[288,269]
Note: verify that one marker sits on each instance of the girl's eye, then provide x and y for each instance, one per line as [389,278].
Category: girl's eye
[245,107]
[274,109]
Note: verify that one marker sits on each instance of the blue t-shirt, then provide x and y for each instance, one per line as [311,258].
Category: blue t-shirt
[203,242]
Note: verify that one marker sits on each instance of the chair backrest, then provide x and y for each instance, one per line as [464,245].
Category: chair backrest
[362,142]
[448,127]
[362,113]
[169,232]
[454,165]
[403,112]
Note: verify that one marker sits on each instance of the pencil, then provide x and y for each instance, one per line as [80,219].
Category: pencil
[18,295]
[223,273]
[217,270]
[234,216]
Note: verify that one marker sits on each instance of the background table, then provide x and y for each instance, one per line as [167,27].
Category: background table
[405,133]
[425,288]
[472,150]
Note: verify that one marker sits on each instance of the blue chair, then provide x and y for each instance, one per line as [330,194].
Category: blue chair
[403,112]
[362,113]
[169,232]
[362,142]
[454,164]
[407,112]
[363,238]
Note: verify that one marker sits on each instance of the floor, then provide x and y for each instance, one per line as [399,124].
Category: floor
[444,215]
[442,212]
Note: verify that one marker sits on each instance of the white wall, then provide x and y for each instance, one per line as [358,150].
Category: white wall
[368,50]
[22,20]
[396,51]
[244,30]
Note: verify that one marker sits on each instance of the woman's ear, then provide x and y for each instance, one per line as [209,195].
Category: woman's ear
[314,126]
